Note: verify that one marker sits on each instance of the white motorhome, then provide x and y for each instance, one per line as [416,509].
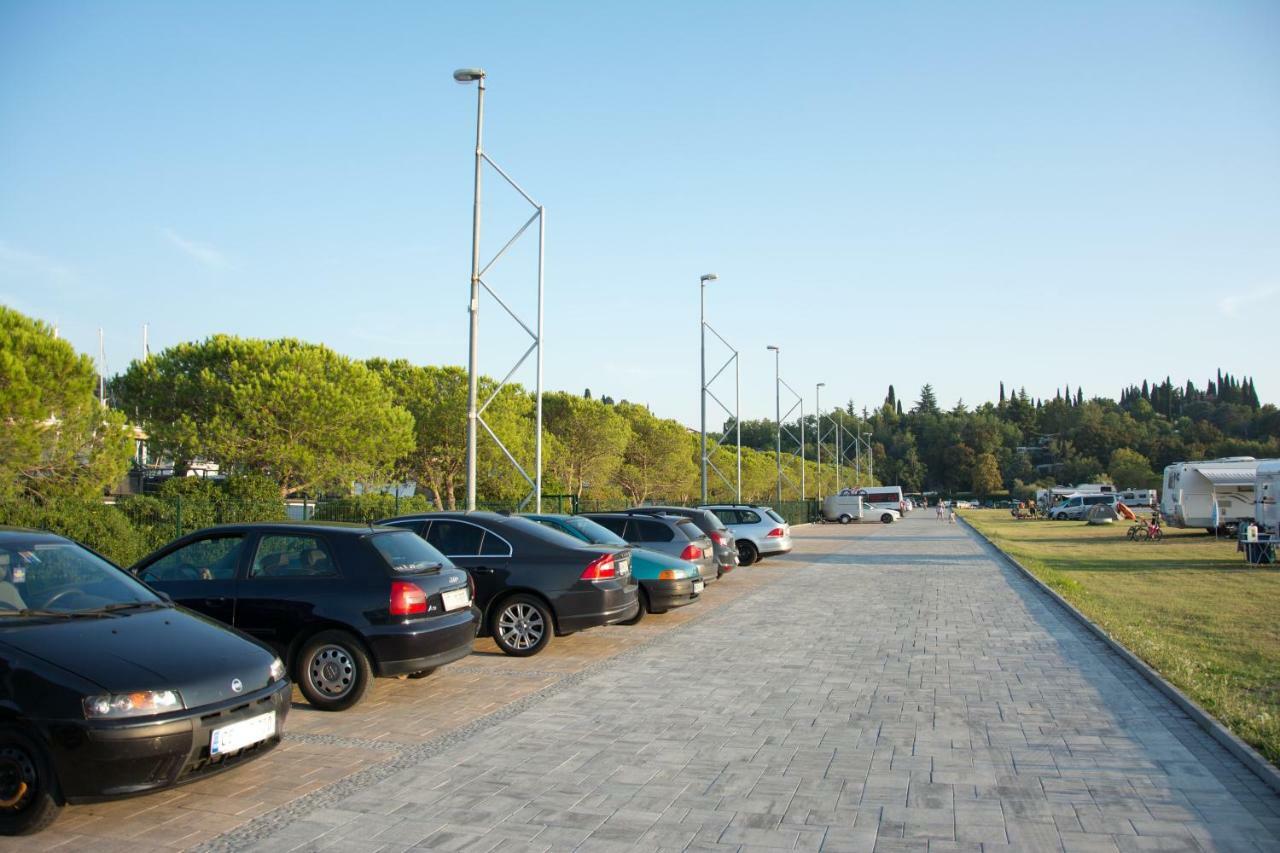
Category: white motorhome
[1266,511]
[883,497]
[1213,494]
[1134,498]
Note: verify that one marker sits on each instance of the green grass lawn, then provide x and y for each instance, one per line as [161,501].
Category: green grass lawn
[1189,606]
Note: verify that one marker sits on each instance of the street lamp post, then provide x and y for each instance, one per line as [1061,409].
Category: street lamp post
[702,394]
[465,76]
[817,407]
[777,408]
[871,458]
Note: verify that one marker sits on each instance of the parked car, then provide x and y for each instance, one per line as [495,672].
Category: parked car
[726,549]
[665,581]
[531,581]
[846,508]
[340,603]
[758,530]
[1074,507]
[668,534]
[109,690]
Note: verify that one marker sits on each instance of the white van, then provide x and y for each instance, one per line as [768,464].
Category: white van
[883,497]
[1075,506]
[847,508]
[1134,498]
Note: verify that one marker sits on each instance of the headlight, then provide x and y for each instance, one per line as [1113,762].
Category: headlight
[277,670]
[116,705]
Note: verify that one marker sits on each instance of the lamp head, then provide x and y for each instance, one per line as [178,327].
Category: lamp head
[710,277]
[773,348]
[822,385]
[468,75]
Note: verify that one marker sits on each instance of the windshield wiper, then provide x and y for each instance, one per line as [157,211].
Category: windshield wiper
[57,614]
[126,605]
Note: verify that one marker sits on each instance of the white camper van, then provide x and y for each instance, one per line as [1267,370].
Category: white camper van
[1213,494]
[1134,498]
[1266,512]
[883,497]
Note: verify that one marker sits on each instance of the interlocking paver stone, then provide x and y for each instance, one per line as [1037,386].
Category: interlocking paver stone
[904,691]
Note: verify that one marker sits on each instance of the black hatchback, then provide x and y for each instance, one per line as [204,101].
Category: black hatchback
[108,690]
[341,603]
[531,581]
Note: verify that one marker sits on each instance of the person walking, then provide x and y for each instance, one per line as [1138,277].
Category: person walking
[951,513]
[939,509]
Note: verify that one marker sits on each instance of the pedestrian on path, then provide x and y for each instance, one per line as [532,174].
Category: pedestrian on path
[951,513]
[939,509]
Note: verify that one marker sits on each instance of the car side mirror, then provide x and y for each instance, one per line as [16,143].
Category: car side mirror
[164,595]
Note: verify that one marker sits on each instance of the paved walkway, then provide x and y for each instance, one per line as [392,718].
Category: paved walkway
[904,692]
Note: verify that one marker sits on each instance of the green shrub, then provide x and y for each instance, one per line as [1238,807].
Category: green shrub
[102,527]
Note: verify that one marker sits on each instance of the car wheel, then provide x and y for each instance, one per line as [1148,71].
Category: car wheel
[333,671]
[643,600]
[521,626]
[886,518]
[29,799]
[747,553]
[846,518]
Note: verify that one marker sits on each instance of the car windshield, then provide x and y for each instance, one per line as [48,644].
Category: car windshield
[543,533]
[51,577]
[595,533]
[407,552]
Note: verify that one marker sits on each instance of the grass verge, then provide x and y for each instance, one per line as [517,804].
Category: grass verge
[1189,606]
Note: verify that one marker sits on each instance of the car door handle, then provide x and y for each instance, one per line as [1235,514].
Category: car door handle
[481,570]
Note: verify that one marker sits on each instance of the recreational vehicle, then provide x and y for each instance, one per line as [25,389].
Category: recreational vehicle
[1216,494]
[846,508]
[1266,512]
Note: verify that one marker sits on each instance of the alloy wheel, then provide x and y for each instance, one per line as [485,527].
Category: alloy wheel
[521,626]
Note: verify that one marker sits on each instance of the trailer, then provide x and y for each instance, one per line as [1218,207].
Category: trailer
[1266,512]
[1216,494]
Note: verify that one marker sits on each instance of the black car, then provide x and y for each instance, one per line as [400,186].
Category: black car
[530,580]
[726,546]
[109,690]
[341,603]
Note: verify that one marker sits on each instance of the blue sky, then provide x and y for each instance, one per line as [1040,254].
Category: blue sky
[1084,192]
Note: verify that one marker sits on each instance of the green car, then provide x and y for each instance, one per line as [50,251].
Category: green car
[665,581]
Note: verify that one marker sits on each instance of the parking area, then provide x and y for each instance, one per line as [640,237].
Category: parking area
[881,688]
[322,748]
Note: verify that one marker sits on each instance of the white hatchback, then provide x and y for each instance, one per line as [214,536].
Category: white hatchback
[758,530]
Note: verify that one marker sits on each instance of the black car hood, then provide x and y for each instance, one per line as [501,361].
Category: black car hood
[160,649]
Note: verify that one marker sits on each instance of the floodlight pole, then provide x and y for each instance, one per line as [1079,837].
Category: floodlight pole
[871,459]
[474,305]
[817,407]
[706,392]
[777,408]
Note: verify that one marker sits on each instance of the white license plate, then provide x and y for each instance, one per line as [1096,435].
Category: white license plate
[455,599]
[237,736]
[698,586]
[624,569]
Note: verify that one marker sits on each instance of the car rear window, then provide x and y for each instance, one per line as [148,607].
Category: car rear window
[408,553]
[545,534]
[774,516]
[688,528]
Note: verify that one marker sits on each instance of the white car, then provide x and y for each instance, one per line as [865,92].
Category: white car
[759,530]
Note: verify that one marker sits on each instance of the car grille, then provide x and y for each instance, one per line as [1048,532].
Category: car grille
[199,762]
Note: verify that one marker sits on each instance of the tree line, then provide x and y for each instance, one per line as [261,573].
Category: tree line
[315,423]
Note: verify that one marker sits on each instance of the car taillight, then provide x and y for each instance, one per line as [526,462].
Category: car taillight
[407,599]
[719,538]
[777,532]
[600,568]
[691,552]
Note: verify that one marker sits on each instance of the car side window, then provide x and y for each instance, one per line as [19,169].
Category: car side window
[652,531]
[292,555]
[212,559]
[455,538]
[494,546]
[746,516]
[617,525]
[728,516]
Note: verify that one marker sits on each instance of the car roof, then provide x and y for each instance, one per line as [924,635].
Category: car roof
[348,527]
[674,519]
[8,532]
[477,515]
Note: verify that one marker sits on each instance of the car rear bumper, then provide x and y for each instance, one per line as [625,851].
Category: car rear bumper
[579,610]
[423,644]
[105,761]
[664,595]
[775,545]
